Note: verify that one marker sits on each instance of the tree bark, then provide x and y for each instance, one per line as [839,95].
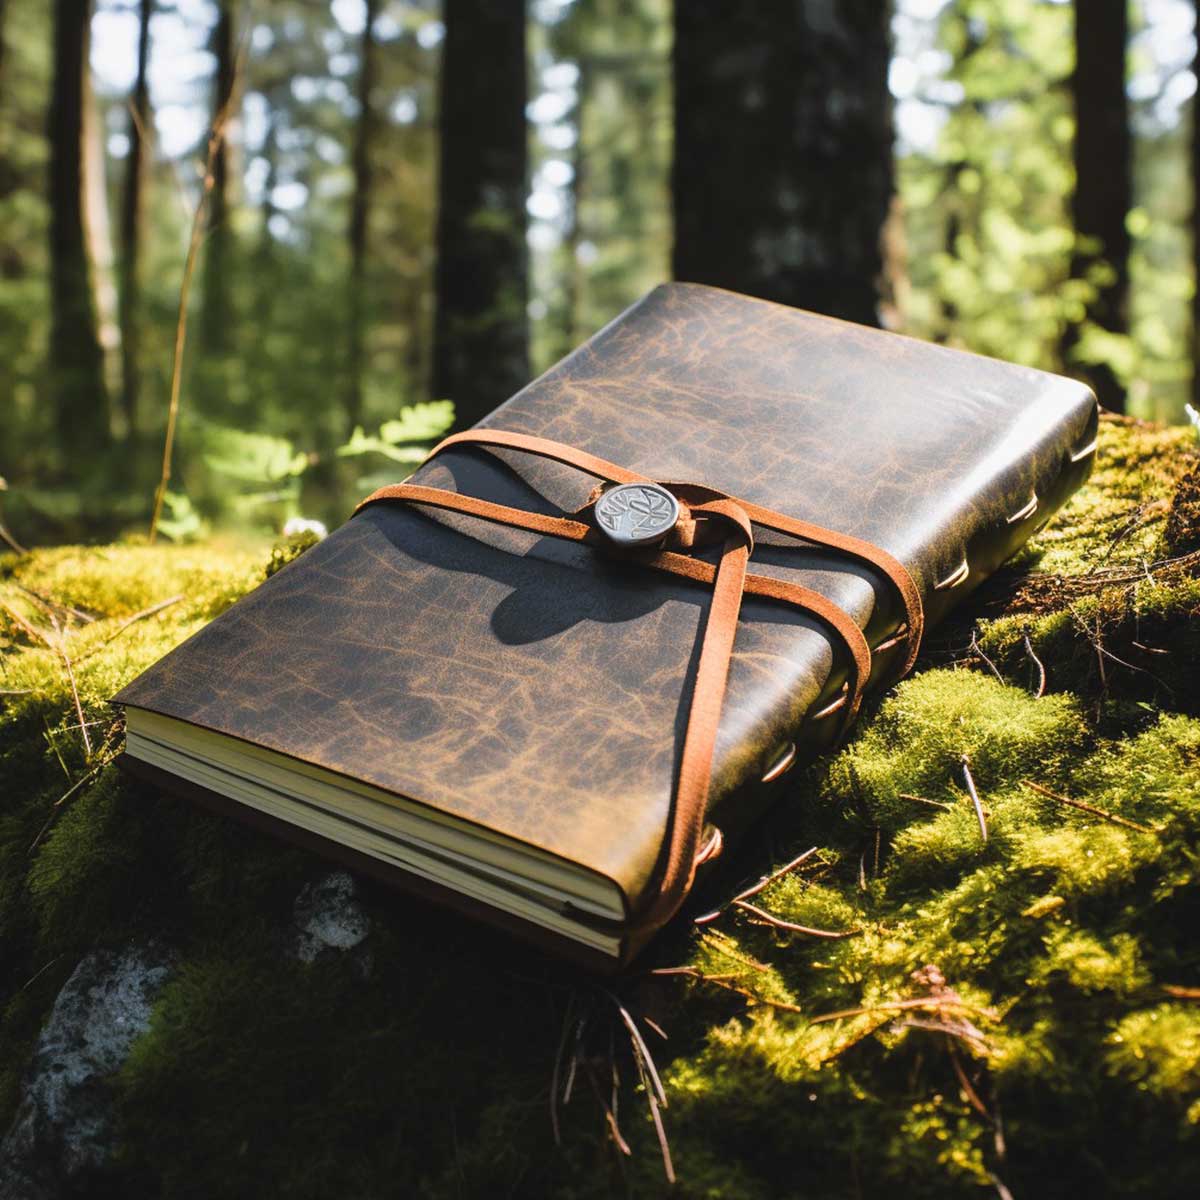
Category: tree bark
[80,398]
[783,173]
[132,204]
[1195,156]
[216,315]
[481,331]
[360,215]
[1103,192]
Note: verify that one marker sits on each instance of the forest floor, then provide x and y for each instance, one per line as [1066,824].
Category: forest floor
[993,986]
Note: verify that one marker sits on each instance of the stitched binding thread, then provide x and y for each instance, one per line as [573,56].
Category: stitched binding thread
[730,580]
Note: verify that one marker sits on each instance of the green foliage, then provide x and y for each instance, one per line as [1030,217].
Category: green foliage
[987,220]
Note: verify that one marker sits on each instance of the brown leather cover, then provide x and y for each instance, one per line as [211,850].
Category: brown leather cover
[535,686]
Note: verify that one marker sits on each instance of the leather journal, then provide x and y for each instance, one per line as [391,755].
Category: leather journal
[551,675]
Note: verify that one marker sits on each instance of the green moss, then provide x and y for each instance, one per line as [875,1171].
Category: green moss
[1159,1049]
[1055,939]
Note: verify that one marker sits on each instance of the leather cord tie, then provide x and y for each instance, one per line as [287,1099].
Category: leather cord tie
[707,517]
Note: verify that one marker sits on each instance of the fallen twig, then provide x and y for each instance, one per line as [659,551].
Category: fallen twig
[61,648]
[554,1075]
[610,1116]
[640,1048]
[662,1033]
[656,1095]
[56,807]
[722,981]
[754,889]
[791,926]
[141,616]
[977,649]
[979,814]
[922,800]
[1089,808]
[716,942]
[49,605]
[1037,662]
[1177,992]
[767,880]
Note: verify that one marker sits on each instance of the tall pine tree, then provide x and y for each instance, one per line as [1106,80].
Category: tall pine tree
[132,212]
[1195,164]
[783,149]
[1103,192]
[360,213]
[76,369]
[216,315]
[481,329]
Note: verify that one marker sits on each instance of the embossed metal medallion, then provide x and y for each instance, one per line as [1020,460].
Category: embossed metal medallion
[637,514]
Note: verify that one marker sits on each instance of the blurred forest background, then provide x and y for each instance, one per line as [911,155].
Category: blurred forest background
[394,207]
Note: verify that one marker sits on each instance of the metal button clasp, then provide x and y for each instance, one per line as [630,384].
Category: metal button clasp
[637,515]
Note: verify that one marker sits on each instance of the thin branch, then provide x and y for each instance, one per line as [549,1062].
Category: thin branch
[716,941]
[12,541]
[215,138]
[40,972]
[640,1048]
[722,981]
[610,1117]
[662,1033]
[791,926]
[978,650]
[968,1089]
[57,805]
[1178,992]
[61,648]
[766,881]
[30,630]
[569,1086]
[1089,808]
[922,800]
[49,605]
[141,616]
[558,1058]
[979,814]
[936,1003]
[1037,662]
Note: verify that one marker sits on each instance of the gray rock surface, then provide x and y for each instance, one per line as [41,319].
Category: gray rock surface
[328,917]
[62,1128]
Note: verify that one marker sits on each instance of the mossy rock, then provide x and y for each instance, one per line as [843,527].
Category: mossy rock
[1012,1011]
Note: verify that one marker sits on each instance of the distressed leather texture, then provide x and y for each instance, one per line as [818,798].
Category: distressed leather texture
[537,687]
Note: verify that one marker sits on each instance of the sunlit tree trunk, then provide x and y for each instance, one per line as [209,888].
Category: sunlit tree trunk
[132,204]
[481,334]
[360,215]
[783,149]
[76,372]
[98,228]
[216,316]
[1103,192]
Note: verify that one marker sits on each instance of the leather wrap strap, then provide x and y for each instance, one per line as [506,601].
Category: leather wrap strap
[708,518]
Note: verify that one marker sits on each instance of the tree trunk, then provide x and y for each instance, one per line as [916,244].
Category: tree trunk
[1103,192]
[216,315]
[360,215]
[1195,148]
[481,331]
[98,229]
[76,371]
[783,177]
[132,204]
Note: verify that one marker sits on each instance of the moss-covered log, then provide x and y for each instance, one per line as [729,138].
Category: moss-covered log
[992,995]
